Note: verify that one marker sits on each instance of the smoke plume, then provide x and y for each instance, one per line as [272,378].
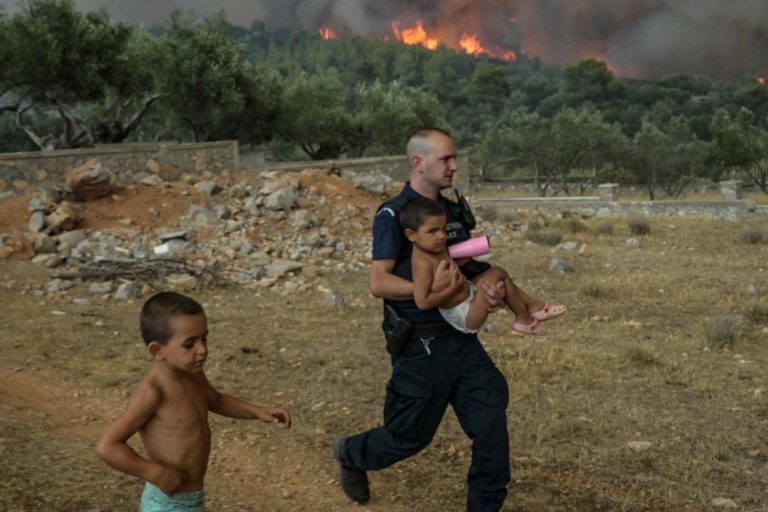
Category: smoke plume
[638,38]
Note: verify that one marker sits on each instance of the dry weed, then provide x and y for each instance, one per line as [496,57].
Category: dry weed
[756,313]
[550,238]
[753,236]
[723,331]
[639,224]
[604,228]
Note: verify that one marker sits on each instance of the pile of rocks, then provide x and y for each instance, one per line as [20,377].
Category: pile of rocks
[285,231]
[274,229]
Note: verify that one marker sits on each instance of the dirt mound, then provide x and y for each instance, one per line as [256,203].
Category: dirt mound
[153,207]
[251,228]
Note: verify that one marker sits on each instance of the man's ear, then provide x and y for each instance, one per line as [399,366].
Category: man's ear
[410,234]
[416,162]
[156,350]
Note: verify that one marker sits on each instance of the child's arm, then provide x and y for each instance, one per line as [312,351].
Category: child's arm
[233,407]
[423,272]
[114,450]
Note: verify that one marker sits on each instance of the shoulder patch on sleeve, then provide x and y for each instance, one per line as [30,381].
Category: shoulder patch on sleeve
[386,209]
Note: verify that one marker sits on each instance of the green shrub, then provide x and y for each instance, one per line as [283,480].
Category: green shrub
[544,237]
[574,225]
[753,237]
[604,228]
[756,313]
[510,217]
[488,213]
[595,291]
[639,225]
[640,356]
[723,331]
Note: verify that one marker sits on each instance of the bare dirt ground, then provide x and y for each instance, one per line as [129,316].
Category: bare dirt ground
[627,404]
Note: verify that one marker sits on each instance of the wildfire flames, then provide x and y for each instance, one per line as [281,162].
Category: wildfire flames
[417,34]
[760,80]
[327,33]
[470,43]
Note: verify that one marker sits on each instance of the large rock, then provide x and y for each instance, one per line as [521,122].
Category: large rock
[16,247]
[208,188]
[200,217]
[70,239]
[90,181]
[42,243]
[36,221]
[376,183]
[280,268]
[63,218]
[282,199]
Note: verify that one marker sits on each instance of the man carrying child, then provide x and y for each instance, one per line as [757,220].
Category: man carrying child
[437,364]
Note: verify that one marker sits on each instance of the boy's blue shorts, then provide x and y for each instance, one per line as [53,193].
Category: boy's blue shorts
[155,500]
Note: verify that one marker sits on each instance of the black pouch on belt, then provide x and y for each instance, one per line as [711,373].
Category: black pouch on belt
[397,330]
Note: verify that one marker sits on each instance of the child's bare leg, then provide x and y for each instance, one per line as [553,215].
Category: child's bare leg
[479,307]
[531,304]
[519,302]
[513,297]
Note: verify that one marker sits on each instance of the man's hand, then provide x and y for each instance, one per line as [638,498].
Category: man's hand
[493,293]
[447,274]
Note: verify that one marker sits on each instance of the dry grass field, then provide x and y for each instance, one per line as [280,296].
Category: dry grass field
[635,194]
[650,395]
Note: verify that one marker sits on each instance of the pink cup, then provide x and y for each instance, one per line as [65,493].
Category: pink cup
[476,246]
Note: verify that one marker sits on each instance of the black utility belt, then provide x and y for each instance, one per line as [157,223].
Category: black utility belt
[432,330]
[398,330]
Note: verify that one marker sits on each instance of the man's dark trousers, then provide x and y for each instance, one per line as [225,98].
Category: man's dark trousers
[456,370]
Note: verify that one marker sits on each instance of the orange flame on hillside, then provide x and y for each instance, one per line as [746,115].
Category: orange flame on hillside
[760,80]
[327,33]
[470,43]
[415,35]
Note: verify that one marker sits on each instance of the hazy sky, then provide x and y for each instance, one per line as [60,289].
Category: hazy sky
[638,38]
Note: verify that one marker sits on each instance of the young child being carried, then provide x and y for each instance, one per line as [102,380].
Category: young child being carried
[169,409]
[424,223]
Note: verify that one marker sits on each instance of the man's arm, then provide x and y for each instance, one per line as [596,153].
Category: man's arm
[114,450]
[233,407]
[384,284]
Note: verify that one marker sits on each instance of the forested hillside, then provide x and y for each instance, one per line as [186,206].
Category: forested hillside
[70,79]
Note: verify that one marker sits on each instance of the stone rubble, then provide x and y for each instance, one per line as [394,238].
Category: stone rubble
[284,230]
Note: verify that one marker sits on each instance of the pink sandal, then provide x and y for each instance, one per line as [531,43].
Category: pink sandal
[535,328]
[549,311]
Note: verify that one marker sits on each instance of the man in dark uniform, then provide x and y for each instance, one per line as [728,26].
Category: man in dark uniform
[438,365]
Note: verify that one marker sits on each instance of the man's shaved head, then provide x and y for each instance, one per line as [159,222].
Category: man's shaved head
[418,144]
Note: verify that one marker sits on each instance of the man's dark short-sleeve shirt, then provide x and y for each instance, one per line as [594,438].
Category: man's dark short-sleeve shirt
[389,242]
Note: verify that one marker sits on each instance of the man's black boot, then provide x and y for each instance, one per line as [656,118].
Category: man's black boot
[354,482]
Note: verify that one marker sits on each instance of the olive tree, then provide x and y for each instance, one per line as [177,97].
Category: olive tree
[210,88]
[77,76]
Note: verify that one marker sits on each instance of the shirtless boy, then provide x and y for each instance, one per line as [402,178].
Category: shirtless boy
[169,409]
[424,223]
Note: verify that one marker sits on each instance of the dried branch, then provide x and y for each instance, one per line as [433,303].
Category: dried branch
[148,270]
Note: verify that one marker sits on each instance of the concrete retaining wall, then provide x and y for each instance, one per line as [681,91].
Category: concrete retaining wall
[129,162]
